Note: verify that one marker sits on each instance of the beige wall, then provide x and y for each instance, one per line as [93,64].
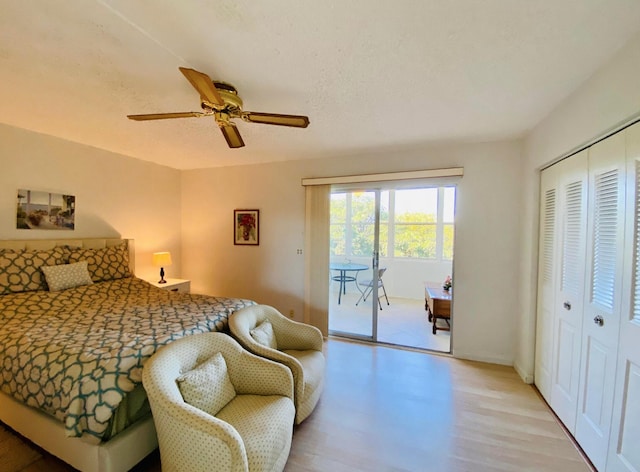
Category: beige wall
[115,195]
[610,97]
[487,251]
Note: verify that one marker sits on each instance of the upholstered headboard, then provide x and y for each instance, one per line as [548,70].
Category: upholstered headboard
[90,243]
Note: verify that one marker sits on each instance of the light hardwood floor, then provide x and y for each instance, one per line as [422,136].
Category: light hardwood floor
[386,409]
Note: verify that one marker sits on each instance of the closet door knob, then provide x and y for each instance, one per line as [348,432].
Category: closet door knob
[567,305]
[599,320]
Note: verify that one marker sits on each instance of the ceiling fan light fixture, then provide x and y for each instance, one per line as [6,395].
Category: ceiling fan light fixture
[221,100]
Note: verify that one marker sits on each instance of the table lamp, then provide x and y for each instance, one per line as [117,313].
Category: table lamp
[162,260]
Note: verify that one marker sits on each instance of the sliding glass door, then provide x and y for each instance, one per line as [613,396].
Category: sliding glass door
[354,263]
[391,241]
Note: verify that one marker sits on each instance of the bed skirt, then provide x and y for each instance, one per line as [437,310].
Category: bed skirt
[119,454]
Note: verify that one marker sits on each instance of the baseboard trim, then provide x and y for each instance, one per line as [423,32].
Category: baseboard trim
[479,358]
[526,377]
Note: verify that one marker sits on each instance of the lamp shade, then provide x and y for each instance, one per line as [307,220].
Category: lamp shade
[161,259]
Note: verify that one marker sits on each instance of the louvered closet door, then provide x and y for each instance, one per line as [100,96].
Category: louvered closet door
[624,450]
[546,280]
[569,297]
[601,327]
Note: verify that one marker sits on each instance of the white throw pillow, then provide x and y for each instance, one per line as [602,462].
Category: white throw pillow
[207,387]
[263,334]
[64,276]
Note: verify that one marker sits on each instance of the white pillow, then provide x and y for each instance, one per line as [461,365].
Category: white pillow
[64,276]
[207,387]
[263,334]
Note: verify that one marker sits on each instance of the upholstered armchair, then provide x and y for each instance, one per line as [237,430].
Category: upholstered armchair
[249,399]
[264,331]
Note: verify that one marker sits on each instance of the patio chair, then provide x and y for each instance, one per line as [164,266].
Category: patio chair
[368,288]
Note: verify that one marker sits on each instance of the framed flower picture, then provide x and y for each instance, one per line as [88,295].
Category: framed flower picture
[246,227]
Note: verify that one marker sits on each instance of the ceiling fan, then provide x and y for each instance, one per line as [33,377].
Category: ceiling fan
[221,101]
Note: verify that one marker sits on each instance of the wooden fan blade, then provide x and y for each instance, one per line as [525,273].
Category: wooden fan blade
[232,135]
[297,121]
[164,116]
[204,85]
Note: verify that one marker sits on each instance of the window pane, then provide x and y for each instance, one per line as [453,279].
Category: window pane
[363,205]
[384,239]
[415,241]
[338,208]
[337,238]
[417,205]
[384,206]
[337,220]
[415,224]
[447,250]
[383,247]
[449,204]
[362,239]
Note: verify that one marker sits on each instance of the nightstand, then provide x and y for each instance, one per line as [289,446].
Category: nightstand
[173,285]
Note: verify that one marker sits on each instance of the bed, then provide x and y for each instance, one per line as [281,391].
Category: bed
[74,337]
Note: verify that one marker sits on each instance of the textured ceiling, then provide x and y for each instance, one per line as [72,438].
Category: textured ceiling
[371,75]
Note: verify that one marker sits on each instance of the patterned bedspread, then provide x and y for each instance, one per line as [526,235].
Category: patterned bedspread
[76,353]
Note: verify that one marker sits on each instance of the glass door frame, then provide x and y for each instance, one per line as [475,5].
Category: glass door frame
[388,245]
[375,263]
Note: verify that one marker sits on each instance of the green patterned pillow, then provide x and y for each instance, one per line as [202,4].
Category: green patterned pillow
[207,387]
[263,334]
[20,270]
[107,263]
[61,277]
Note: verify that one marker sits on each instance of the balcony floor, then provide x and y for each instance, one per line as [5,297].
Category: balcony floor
[403,322]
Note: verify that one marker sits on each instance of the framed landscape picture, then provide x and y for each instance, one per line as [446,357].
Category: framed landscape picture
[246,227]
[45,210]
